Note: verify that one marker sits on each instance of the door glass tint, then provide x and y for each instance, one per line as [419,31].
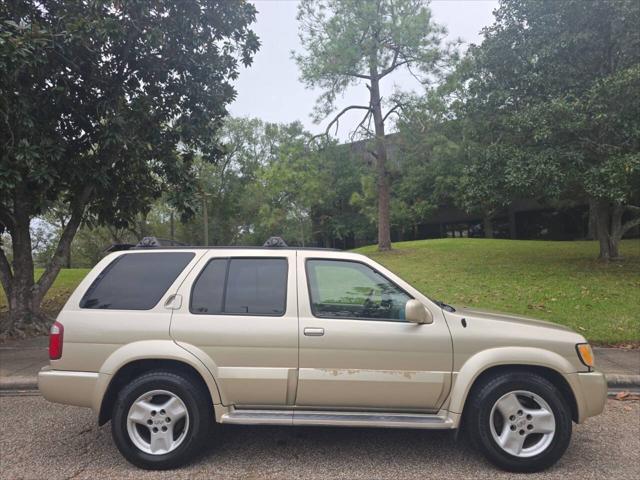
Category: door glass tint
[208,291]
[342,289]
[253,286]
[135,281]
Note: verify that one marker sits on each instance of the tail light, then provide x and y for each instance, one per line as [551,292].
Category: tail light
[56,335]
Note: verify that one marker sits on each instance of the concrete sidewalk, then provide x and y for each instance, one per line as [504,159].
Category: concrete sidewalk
[20,361]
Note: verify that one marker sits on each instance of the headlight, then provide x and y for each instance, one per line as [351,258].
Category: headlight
[586,354]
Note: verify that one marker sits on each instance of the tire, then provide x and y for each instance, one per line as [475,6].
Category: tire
[143,429]
[526,435]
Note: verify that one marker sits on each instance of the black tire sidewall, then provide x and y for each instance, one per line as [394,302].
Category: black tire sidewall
[480,414]
[200,419]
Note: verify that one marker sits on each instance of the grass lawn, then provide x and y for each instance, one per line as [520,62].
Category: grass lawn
[557,281]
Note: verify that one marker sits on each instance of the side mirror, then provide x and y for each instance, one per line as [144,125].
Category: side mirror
[416,312]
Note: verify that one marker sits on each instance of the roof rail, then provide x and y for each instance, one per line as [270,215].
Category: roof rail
[146,242]
[116,247]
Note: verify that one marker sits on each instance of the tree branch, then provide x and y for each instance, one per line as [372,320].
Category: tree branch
[393,110]
[6,276]
[634,222]
[7,218]
[632,208]
[337,118]
[63,247]
[395,63]
[361,125]
[358,75]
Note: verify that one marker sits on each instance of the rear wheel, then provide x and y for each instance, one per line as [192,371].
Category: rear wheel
[520,421]
[161,420]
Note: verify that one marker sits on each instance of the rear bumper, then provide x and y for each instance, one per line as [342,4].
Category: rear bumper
[590,390]
[70,388]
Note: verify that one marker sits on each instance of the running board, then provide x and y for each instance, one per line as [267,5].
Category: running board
[337,419]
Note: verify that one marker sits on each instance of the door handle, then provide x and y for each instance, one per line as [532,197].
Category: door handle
[314,332]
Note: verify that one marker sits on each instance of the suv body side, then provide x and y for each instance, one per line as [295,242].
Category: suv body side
[267,361]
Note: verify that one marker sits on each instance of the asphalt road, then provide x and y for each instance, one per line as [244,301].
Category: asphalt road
[39,440]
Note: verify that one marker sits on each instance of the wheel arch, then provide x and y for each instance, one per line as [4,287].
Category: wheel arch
[547,364]
[547,373]
[133,359]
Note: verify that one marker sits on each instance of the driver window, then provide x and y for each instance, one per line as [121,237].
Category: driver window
[344,289]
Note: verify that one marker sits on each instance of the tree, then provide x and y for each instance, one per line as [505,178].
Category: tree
[348,42]
[553,100]
[103,106]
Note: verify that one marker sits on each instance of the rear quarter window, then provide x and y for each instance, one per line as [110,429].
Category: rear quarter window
[135,281]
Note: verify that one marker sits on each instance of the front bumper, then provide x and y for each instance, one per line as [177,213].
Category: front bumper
[590,390]
[70,388]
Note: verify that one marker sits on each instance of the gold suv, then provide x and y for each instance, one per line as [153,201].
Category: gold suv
[166,342]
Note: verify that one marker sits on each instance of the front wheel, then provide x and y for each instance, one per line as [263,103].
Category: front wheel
[520,421]
[161,420]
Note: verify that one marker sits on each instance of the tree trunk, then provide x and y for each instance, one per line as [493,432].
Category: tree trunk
[67,260]
[205,220]
[592,229]
[384,216]
[513,225]
[487,226]
[172,228]
[23,311]
[24,294]
[610,229]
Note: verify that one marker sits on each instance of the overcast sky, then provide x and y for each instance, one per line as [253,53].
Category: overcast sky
[270,88]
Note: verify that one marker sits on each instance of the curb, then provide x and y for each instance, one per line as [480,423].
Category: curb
[18,383]
[620,382]
[615,382]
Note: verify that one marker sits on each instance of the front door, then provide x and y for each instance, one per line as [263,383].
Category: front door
[356,348]
[240,317]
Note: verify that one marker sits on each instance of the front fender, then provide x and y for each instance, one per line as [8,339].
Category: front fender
[150,350]
[482,361]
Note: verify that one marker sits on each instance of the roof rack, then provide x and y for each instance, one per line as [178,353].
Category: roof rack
[275,242]
[146,242]
[154,242]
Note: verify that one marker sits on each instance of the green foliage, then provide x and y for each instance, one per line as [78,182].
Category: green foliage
[348,41]
[104,104]
[553,99]
[547,108]
[351,41]
[96,97]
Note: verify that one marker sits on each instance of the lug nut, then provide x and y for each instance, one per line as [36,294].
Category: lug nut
[513,427]
[162,412]
[521,432]
[520,412]
[149,422]
[153,413]
[155,430]
[529,427]
[164,429]
[529,417]
[512,418]
[167,420]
